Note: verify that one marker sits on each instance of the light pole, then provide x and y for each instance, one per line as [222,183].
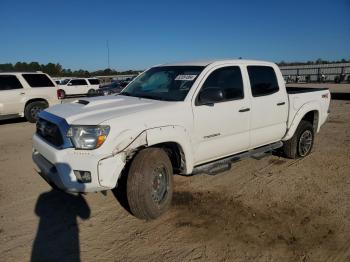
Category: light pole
[108,53]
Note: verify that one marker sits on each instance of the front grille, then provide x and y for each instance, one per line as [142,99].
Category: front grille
[49,132]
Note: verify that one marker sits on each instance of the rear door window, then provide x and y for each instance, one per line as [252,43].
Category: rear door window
[38,80]
[94,81]
[9,82]
[78,82]
[263,80]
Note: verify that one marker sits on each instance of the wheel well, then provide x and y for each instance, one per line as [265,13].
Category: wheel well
[312,117]
[176,155]
[35,100]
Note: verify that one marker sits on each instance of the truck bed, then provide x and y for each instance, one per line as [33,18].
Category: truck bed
[300,96]
[296,90]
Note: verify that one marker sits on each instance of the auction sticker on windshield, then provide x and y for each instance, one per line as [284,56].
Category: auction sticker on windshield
[185,77]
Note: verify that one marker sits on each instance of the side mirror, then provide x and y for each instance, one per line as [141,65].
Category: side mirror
[69,84]
[210,96]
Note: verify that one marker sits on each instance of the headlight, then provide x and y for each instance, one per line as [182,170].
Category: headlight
[88,137]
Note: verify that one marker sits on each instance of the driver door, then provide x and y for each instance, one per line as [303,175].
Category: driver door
[222,127]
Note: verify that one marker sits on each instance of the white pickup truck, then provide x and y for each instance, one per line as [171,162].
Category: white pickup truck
[185,118]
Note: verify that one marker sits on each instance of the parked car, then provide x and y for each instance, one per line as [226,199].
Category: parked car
[78,86]
[184,118]
[113,88]
[26,94]
[125,82]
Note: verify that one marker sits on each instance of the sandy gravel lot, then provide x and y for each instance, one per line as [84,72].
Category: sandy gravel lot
[272,209]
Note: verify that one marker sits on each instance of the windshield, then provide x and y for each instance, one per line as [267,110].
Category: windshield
[168,83]
[65,81]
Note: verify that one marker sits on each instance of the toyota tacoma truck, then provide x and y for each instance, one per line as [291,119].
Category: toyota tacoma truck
[183,118]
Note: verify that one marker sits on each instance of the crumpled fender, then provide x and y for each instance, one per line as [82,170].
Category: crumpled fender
[173,133]
[129,141]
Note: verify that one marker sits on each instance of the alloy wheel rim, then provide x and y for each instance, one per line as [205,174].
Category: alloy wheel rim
[35,111]
[305,143]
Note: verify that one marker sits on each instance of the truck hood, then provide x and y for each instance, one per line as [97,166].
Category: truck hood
[93,111]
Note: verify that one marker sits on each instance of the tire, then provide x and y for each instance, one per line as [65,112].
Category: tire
[91,92]
[150,184]
[300,145]
[32,110]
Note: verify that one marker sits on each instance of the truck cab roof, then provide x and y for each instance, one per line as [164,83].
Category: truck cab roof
[218,62]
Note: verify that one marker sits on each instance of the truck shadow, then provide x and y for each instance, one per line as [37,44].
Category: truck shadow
[57,237]
[13,121]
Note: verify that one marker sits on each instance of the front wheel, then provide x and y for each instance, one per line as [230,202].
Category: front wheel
[301,143]
[150,184]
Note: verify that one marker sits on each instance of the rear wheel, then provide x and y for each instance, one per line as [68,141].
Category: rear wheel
[33,109]
[91,92]
[301,143]
[150,184]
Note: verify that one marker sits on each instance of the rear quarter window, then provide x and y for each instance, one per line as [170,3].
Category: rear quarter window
[263,80]
[38,80]
[9,82]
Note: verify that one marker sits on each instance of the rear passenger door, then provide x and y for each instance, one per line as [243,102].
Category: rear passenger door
[41,86]
[221,128]
[269,106]
[12,95]
[77,86]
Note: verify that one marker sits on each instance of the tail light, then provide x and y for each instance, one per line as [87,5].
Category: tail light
[59,94]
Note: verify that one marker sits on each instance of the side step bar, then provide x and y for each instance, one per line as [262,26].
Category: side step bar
[224,164]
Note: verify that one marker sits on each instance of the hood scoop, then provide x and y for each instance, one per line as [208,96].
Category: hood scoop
[83,102]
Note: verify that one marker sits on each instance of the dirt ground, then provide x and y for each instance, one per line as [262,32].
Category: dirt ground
[272,209]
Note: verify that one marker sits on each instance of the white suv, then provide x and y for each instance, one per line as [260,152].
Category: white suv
[26,94]
[79,86]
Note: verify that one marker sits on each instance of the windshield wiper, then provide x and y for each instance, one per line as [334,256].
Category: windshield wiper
[147,96]
[125,94]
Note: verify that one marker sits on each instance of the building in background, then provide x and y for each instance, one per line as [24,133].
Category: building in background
[334,72]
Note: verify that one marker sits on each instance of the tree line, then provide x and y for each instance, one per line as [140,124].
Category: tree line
[56,70]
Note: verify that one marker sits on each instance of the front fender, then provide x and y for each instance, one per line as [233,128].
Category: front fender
[173,133]
[131,140]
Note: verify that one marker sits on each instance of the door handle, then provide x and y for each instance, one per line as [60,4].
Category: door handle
[244,110]
[22,93]
[281,103]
